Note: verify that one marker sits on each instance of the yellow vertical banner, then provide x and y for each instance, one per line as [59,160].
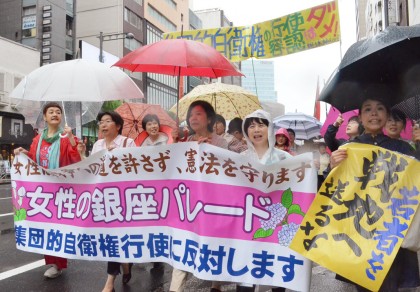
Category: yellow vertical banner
[296,32]
[357,222]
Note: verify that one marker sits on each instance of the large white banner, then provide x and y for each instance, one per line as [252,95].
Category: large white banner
[200,208]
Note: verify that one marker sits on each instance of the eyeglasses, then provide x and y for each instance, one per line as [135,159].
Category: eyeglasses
[105,122]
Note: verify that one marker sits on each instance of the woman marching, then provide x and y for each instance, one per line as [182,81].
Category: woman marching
[374,113]
[396,124]
[110,125]
[283,141]
[201,118]
[259,135]
[51,149]
[151,125]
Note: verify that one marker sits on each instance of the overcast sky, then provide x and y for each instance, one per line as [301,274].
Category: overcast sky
[295,75]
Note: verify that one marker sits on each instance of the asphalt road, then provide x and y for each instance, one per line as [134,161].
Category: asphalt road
[6,220]
[90,276]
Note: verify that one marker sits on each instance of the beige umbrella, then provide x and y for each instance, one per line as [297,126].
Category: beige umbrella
[230,101]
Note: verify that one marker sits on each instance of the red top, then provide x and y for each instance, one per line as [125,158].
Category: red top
[68,153]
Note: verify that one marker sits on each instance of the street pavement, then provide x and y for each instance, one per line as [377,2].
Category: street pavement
[23,271]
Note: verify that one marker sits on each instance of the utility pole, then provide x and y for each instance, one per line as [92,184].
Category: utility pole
[101,47]
[386,16]
[111,37]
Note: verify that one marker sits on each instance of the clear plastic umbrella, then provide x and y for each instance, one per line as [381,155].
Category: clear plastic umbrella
[305,126]
[80,85]
[74,112]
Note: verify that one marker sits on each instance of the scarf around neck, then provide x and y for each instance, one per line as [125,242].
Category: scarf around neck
[54,153]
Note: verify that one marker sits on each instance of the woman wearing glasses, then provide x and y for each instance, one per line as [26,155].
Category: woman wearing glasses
[110,126]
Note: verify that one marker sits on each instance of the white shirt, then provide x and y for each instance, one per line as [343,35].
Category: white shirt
[117,143]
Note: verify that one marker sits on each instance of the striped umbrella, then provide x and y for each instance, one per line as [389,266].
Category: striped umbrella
[305,126]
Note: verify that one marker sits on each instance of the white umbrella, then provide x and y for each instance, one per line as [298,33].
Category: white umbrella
[32,111]
[76,81]
[305,126]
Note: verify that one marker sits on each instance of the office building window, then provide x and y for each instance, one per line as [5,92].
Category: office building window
[161,18]
[157,94]
[69,25]
[69,5]
[29,10]
[139,2]
[168,80]
[135,75]
[29,21]
[171,4]
[131,44]
[29,33]
[2,81]
[153,35]
[133,19]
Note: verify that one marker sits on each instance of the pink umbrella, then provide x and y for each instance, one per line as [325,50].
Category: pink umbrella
[332,116]
[341,134]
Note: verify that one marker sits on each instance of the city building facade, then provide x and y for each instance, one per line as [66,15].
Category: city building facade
[215,18]
[100,24]
[192,81]
[164,16]
[360,19]
[45,25]
[413,9]
[16,61]
[378,18]
[114,19]
[259,79]
[146,20]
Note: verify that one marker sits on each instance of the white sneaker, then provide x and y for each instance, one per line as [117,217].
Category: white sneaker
[53,272]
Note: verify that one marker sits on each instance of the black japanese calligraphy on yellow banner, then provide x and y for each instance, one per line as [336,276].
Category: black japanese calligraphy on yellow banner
[296,32]
[361,214]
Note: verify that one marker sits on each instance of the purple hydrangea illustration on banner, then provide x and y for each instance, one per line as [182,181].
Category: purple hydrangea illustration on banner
[279,214]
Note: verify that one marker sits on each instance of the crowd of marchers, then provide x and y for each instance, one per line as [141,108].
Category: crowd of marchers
[255,137]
